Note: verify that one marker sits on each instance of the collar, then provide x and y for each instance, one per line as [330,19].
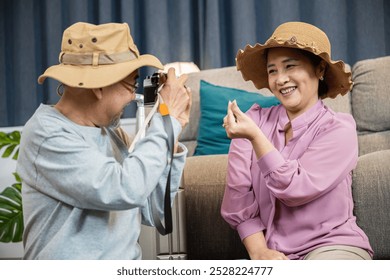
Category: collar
[302,120]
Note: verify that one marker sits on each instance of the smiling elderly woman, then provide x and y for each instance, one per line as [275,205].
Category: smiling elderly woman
[288,190]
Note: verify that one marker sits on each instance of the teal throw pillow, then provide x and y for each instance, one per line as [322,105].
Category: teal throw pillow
[214,100]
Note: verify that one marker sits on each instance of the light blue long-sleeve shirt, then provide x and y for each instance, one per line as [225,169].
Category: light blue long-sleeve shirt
[78,201]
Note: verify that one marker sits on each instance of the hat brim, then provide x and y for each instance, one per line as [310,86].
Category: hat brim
[88,76]
[252,63]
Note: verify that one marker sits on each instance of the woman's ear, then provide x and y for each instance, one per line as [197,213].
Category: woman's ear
[321,69]
[98,92]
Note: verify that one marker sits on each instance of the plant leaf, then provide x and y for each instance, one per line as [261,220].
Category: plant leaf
[11,214]
[8,151]
[17,177]
[11,141]
[3,136]
[16,154]
[15,136]
[11,211]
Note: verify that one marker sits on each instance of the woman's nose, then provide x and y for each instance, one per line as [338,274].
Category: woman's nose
[282,79]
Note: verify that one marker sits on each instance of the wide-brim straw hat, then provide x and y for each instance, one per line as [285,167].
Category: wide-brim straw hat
[96,56]
[298,35]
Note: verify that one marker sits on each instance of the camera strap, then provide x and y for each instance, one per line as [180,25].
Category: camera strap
[167,199]
[163,109]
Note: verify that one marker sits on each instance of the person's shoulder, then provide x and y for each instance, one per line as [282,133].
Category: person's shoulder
[47,122]
[45,119]
[340,128]
[345,119]
[339,121]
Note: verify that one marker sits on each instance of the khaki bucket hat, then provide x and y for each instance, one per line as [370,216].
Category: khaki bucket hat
[299,35]
[95,56]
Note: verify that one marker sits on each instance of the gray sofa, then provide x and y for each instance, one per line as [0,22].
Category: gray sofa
[204,177]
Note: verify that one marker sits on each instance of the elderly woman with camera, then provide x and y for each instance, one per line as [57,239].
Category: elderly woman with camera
[84,194]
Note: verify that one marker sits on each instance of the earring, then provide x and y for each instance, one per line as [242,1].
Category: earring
[321,78]
[59,87]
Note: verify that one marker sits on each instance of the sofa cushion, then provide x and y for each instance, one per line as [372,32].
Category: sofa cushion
[370,94]
[225,76]
[371,194]
[214,99]
[342,103]
[372,142]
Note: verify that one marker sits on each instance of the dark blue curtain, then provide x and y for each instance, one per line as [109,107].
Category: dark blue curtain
[207,32]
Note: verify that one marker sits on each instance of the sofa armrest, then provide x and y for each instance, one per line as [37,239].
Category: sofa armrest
[371,193]
[208,235]
[197,172]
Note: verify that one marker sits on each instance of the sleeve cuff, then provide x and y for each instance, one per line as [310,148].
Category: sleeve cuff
[250,227]
[270,162]
[176,127]
[181,150]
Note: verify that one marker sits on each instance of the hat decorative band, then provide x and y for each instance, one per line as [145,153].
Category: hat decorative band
[96,58]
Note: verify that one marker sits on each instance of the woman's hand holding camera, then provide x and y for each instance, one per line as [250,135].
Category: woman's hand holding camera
[177,97]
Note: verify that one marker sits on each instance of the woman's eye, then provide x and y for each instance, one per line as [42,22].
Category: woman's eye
[271,71]
[290,66]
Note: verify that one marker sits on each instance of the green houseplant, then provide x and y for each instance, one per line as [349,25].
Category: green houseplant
[11,212]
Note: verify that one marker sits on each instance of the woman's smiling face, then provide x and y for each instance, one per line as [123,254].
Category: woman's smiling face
[293,79]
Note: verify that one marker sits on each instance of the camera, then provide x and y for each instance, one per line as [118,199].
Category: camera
[151,85]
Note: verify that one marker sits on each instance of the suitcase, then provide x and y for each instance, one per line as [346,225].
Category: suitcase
[172,246]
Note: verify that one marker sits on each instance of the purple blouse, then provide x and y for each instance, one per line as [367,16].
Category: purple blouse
[300,194]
